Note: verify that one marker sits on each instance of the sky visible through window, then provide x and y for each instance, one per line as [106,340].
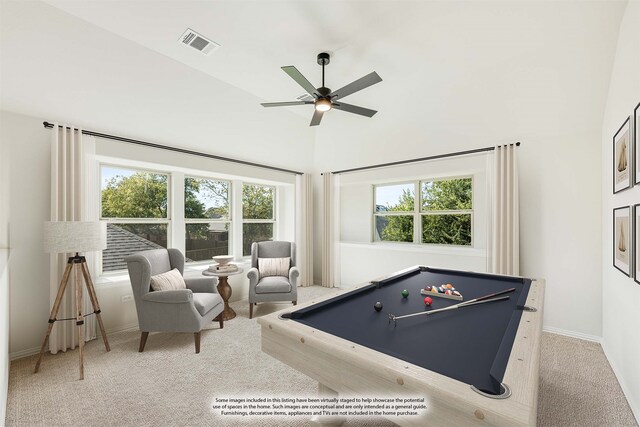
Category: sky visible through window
[109,172]
[389,195]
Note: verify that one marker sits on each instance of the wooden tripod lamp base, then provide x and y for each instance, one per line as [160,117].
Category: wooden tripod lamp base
[86,236]
[77,265]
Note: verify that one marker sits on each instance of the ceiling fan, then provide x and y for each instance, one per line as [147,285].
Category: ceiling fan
[323,98]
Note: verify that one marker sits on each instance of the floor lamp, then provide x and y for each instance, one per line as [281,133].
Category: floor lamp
[69,237]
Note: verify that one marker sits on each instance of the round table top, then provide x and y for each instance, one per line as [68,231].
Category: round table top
[208,272]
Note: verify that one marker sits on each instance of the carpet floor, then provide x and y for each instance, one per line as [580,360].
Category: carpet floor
[170,385]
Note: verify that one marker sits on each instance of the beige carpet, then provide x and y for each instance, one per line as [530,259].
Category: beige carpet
[170,385]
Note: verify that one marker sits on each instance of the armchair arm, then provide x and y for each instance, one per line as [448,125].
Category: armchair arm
[254,276]
[176,296]
[294,275]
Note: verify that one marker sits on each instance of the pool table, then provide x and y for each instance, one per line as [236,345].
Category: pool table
[476,365]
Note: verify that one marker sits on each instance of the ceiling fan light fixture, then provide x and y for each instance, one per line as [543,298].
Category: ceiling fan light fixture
[321,96]
[323,105]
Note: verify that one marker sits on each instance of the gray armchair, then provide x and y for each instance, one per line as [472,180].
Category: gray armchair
[181,310]
[272,288]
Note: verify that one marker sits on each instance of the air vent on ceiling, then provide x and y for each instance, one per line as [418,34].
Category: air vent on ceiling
[198,42]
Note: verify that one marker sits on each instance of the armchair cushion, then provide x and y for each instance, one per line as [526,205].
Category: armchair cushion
[171,280]
[205,302]
[273,285]
[176,296]
[202,284]
[274,266]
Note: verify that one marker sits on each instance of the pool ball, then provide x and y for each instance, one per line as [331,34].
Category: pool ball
[428,301]
[378,306]
[405,293]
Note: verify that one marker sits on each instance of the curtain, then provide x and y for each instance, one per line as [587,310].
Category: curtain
[304,228]
[330,230]
[505,224]
[71,175]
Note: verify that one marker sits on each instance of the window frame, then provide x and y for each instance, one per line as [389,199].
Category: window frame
[175,219]
[418,213]
[229,220]
[394,213]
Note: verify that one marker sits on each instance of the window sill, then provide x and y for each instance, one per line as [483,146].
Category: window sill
[190,270]
[413,247]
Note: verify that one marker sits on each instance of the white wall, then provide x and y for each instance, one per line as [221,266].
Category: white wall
[29,207]
[620,294]
[4,272]
[544,84]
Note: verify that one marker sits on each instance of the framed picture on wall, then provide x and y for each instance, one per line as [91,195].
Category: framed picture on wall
[636,242]
[622,240]
[636,142]
[621,157]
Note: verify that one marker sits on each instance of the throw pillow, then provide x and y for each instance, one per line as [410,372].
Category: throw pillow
[168,281]
[274,266]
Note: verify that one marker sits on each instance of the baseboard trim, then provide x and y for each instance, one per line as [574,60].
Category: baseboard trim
[625,390]
[572,334]
[23,353]
[35,350]
[129,327]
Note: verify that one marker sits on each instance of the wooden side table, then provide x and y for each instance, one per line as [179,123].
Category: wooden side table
[225,291]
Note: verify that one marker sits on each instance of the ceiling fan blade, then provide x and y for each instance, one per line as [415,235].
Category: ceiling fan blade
[285,104]
[301,80]
[354,109]
[361,83]
[317,116]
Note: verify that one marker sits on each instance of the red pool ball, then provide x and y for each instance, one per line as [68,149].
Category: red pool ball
[428,301]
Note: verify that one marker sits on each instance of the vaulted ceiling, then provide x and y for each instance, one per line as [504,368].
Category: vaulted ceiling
[440,61]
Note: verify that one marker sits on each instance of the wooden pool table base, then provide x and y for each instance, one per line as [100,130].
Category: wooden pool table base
[351,369]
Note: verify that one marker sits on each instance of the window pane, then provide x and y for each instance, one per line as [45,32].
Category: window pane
[255,232]
[397,228]
[206,240]
[257,202]
[447,229]
[206,198]
[396,198]
[450,194]
[127,239]
[130,193]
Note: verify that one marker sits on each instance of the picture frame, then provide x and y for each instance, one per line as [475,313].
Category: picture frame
[636,242]
[636,142]
[622,259]
[621,157]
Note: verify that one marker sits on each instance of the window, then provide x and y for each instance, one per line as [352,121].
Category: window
[135,203]
[207,218]
[200,215]
[442,215]
[446,211]
[394,212]
[258,218]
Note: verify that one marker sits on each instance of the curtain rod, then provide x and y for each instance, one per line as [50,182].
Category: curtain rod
[178,150]
[421,159]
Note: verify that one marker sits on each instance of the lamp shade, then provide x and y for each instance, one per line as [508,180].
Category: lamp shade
[74,236]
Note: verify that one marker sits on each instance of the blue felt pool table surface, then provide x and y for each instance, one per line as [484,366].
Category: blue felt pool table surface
[469,344]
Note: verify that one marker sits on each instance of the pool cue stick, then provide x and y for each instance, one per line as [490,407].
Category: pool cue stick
[479,300]
[451,307]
